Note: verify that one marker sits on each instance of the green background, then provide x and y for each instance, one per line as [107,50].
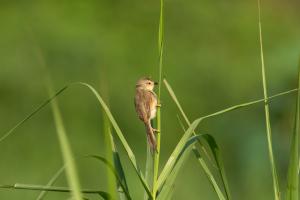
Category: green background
[211,59]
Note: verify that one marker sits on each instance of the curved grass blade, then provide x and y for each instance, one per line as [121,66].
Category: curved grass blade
[170,163]
[293,179]
[186,149]
[115,172]
[19,186]
[39,108]
[217,156]
[267,114]
[168,187]
[197,152]
[67,154]
[119,168]
[122,139]
[111,119]
[51,182]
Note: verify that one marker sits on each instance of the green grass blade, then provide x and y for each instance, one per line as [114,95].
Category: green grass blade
[67,154]
[267,115]
[186,149]
[116,173]
[293,179]
[112,181]
[213,147]
[218,158]
[119,168]
[209,175]
[51,182]
[121,187]
[8,133]
[19,186]
[175,154]
[121,138]
[170,163]
[39,108]
[149,169]
[109,115]
[168,187]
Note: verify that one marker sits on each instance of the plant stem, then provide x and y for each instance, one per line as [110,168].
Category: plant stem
[267,114]
[158,122]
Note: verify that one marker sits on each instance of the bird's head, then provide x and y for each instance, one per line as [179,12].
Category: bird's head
[145,83]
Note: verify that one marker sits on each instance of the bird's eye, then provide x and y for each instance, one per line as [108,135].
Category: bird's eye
[149,83]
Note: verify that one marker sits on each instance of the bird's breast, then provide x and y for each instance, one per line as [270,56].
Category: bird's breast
[153,107]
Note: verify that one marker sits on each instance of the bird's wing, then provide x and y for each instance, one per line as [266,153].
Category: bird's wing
[143,100]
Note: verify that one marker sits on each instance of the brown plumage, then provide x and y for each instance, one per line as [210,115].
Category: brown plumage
[145,102]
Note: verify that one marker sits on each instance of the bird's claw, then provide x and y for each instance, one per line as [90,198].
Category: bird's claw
[156,130]
[158,105]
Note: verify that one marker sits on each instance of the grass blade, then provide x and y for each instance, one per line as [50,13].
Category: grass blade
[293,179]
[267,115]
[218,158]
[213,147]
[168,188]
[39,108]
[149,169]
[170,163]
[119,168]
[51,182]
[189,143]
[19,186]
[121,138]
[110,117]
[113,183]
[67,154]
[117,175]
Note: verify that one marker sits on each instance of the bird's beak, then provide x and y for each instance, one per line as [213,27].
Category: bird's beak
[155,83]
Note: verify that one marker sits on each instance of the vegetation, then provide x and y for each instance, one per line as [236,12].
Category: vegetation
[158,181]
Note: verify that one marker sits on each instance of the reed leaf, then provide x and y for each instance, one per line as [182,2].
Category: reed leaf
[171,161]
[117,174]
[119,133]
[71,171]
[267,114]
[149,169]
[188,146]
[239,106]
[293,179]
[32,187]
[197,154]
[51,182]
[112,180]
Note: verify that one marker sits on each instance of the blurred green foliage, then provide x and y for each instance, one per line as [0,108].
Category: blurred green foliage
[211,59]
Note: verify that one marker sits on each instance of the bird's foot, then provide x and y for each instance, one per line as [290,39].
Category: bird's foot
[158,105]
[156,130]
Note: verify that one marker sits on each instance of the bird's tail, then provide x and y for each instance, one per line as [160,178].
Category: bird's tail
[150,136]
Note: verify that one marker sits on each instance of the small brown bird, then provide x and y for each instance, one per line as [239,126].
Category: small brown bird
[145,102]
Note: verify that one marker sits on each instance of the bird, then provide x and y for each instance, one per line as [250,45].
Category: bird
[146,104]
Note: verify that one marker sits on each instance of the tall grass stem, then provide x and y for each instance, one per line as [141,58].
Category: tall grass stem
[267,113]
